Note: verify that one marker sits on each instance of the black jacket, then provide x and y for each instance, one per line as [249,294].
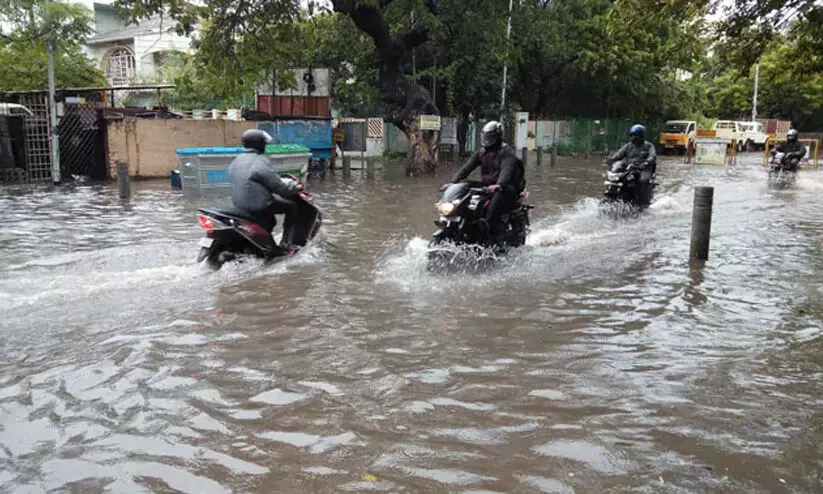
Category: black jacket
[796,148]
[499,167]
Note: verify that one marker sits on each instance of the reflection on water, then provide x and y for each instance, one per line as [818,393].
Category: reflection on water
[594,360]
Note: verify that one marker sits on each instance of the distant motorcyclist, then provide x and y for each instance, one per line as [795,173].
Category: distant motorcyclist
[794,150]
[637,153]
[257,189]
[502,172]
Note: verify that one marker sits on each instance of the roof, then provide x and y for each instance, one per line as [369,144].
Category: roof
[150,26]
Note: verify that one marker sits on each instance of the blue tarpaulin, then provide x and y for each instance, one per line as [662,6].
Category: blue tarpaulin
[312,133]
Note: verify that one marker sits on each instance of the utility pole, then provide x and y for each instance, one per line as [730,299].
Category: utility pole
[505,65]
[754,98]
[55,139]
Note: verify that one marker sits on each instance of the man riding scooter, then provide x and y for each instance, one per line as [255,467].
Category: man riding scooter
[794,150]
[503,175]
[641,156]
[258,190]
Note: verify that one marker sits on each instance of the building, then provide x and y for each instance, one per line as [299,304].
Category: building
[135,53]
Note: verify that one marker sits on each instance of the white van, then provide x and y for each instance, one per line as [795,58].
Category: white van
[754,136]
[730,129]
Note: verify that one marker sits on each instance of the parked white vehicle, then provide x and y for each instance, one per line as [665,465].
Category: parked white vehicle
[14,109]
[754,136]
[730,129]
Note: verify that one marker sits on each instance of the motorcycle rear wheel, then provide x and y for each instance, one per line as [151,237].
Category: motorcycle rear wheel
[212,257]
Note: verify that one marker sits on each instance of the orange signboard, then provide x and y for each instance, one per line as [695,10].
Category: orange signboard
[706,133]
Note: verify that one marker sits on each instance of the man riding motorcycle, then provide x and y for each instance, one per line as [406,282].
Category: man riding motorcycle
[638,153]
[257,189]
[503,175]
[794,150]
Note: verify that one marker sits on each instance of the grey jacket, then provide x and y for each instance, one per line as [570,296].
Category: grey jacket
[636,155]
[253,181]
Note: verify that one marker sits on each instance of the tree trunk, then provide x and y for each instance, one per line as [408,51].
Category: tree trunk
[405,101]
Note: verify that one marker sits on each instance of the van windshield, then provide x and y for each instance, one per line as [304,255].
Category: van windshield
[675,127]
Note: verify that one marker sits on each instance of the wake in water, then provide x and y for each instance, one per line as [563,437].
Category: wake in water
[580,226]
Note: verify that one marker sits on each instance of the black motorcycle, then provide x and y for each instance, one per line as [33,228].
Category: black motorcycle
[624,188]
[231,232]
[783,169]
[461,238]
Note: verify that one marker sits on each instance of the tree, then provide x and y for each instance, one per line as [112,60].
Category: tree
[333,41]
[404,100]
[23,55]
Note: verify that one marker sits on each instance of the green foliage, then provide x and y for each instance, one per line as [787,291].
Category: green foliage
[23,54]
[576,58]
[23,66]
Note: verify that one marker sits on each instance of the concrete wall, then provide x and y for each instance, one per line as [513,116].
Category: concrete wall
[148,145]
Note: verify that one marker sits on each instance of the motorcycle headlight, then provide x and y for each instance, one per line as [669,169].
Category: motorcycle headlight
[613,176]
[446,208]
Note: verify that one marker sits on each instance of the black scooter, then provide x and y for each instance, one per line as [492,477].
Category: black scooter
[461,239]
[231,232]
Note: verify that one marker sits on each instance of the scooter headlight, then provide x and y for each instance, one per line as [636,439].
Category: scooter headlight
[612,176]
[446,208]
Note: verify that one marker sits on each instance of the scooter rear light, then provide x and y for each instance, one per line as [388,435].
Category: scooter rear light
[254,229]
[206,223]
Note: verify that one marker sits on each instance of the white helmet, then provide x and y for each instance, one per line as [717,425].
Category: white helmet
[791,135]
[492,134]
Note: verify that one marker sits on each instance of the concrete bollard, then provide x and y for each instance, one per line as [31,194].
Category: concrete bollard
[347,166]
[701,223]
[539,156]
[525,153]
[554,156]
[370,167]
[123,180]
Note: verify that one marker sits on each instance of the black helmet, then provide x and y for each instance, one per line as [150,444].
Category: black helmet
[791,135]
[492,135]
[256,139]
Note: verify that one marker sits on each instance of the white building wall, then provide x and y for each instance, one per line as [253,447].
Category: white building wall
[145,46]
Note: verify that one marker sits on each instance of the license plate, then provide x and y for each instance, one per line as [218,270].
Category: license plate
[206,242]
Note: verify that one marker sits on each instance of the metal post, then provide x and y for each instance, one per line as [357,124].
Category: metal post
[701,223]
[505,65]
[554,143]
[55,139]
[456,153]
[589,143]
[525,156]
[123,180]
[539,156]
[370,167]
[346,166]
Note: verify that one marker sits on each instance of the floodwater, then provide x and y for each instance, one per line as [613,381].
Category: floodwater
[596,361]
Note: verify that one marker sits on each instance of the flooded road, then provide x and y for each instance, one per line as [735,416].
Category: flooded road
[597,361]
